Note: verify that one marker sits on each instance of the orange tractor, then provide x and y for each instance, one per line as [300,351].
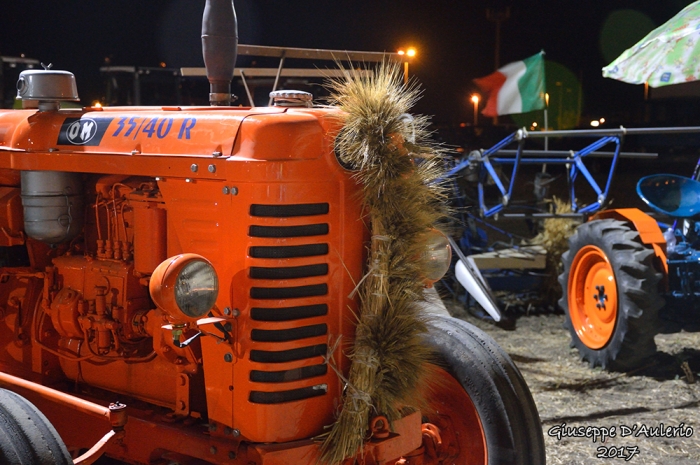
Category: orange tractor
[173,279]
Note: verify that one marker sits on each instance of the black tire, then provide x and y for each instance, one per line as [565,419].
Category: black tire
[638,299]
[26,436]
[509,420]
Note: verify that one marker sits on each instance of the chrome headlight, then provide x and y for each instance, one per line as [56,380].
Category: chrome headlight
[196,288]
[437,256]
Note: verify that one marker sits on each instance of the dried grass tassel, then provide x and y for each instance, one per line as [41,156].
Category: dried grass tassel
[398,169]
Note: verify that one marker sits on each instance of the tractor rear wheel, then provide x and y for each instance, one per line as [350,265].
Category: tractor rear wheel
[480,404]
[610,295]
[26,436]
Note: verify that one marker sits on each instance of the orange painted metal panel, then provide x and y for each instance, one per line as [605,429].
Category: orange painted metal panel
[648,229]
[229,184]
[11,217]
[649,233]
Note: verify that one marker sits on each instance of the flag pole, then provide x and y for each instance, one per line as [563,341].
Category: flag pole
[546,128]
[546,139]
[546,125]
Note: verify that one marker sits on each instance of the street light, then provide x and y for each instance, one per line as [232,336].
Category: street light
[409,53]
[475,101]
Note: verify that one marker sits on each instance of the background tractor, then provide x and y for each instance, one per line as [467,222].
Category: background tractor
[626,279]
[179,285]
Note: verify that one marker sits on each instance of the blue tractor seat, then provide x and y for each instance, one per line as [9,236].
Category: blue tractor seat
[672,195]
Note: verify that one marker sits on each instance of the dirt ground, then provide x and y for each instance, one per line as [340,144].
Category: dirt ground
[664,393]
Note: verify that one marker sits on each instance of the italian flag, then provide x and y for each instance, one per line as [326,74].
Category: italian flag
[516,88]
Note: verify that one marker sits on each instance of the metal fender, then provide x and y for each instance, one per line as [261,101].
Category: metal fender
[645,225]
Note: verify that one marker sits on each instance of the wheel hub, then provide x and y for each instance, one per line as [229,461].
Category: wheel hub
[453,432]
[600,297]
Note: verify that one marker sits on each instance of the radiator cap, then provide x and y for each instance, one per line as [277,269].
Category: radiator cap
[291,98]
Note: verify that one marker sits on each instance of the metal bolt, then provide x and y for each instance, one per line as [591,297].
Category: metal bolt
[194,167]
[228,358]
[227,311]
[188,179]
[158,178]
[217,154]
[232,455]
[213,450]
[212,168]
[212,427]
[236,312]
[135,152]
[234,191]
[236,433]
[226,190]
[227,326]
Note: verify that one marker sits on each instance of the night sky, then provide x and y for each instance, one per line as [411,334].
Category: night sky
[455,41]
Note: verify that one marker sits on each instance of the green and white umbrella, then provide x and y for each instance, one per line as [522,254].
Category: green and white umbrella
[670,54]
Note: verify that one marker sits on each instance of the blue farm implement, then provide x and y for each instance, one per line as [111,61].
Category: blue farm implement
[626,275]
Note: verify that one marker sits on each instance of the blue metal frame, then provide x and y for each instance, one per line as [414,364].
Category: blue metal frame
[574,161]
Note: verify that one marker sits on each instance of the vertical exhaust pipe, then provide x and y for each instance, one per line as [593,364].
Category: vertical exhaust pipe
[219,48]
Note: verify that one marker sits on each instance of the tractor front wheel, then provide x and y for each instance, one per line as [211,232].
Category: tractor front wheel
[480,411]
[26,435]
[610,294]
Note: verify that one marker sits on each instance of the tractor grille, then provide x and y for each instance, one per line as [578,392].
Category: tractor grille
[277,300]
